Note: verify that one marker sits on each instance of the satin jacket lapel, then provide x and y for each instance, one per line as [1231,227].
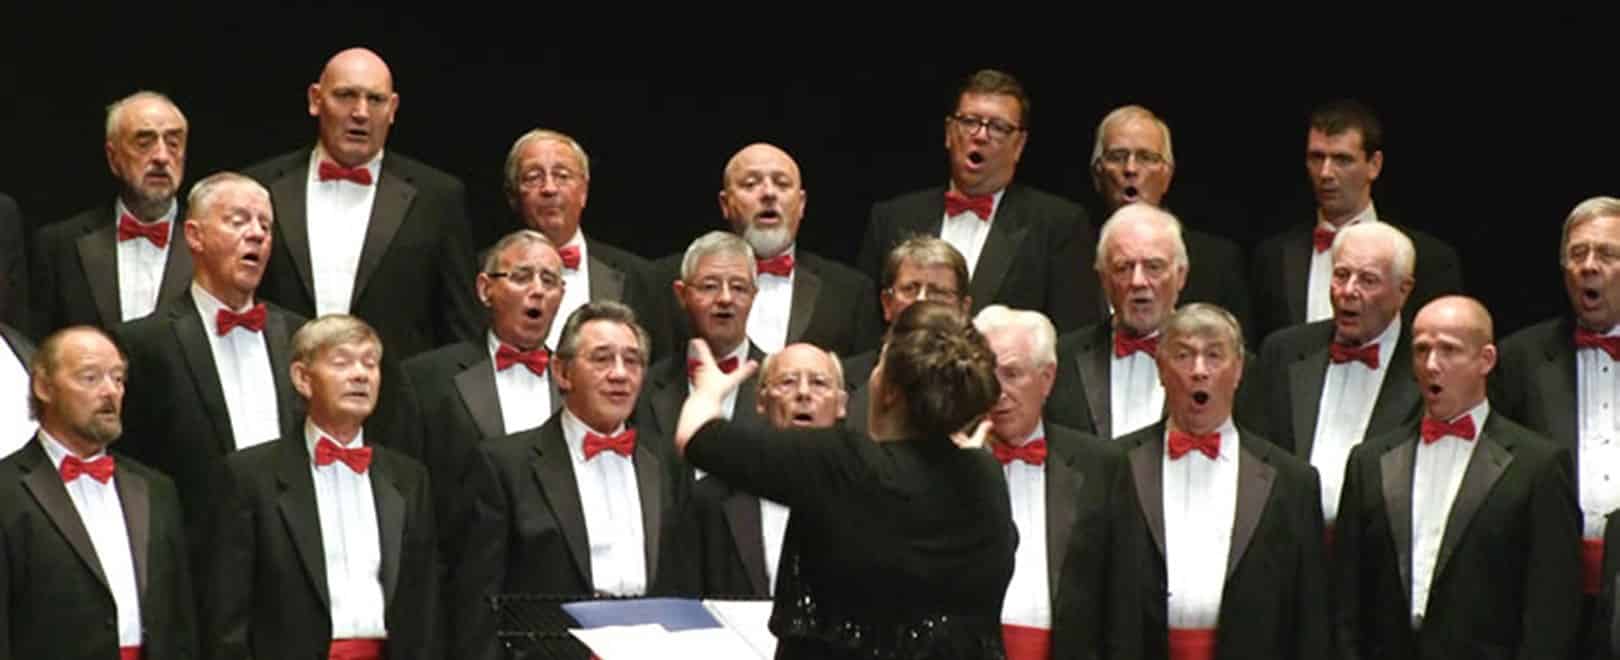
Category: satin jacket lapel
[747,535]
[1306,378]
[390,525]
[1491,458]
[1297,273]
[1064,480]
[1094,362]
[802,306]
[98,256]
[292,218]
[650,485]
[553,468]
[476,385]
[388,208]
[136,498]
[1007,230]
[1255,479]
[1395,470]
[300,512]
[45,484]
[607,282]
[278,342]
[192,336]
[177,270]
[1555,378]
[1147,466]
[1398,397]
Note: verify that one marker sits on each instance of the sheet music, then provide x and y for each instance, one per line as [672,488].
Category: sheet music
[654,642]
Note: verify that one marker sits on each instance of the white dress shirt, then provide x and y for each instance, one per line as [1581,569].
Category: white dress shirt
[773,520]
[611,500]
[768,319]
[242,364]
[1135,397]
[525,397]
[1318,297]
[103,516]
[350,542]
[577,289]
[1029,600]
[15,424]
[1200,503]
[338,212]
[140,266]
[1349,391]
[1596,395]
[1436,476]
[966,232]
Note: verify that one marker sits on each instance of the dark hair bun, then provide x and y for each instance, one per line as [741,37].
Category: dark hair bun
[942,366]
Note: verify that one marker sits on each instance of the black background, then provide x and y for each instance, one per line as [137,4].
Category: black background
[1492,133]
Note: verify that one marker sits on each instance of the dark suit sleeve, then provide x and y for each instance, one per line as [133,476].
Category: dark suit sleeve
[790,467]
[1074,295]
[1313,595]
[1348,559]
[226,572]
[480,562]
[1552,610]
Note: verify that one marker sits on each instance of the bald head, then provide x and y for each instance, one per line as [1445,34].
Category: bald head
[762,198]
[354,101]
[1460,310]
[1452,355]
[801,386]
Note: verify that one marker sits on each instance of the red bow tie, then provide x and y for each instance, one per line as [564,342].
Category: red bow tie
[1434,429]
[253,319]
[980,205]
[1124,346]
[622,444]
[727,365]
[100,469]
[357,458]
[780,265]
[1322,238]
[570,256]
[156,232]
[330,170]
[1587,339]
[1368,355]
[1181,443]
[536,360]
[1032,452]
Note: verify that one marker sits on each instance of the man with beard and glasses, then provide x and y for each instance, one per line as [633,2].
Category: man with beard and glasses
[121,260]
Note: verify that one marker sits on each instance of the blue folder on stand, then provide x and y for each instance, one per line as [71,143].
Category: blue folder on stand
[674,614]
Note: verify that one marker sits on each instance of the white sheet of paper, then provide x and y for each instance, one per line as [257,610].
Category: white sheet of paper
[749,618]
[652,641]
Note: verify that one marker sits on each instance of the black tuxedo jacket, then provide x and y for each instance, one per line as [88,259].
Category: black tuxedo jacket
[57,601]
[1274,603]
[414,282]
[665,389]
[1081,477]
[834,306]
[75,271]
[264,589]
[1217,274]
[19,345]
[525,530]
[175,417]
[617,274]
[1038,254]
[1296,360]
[14,306]
[1282,269]
[1534,382]
[1507,582]
[1605,627]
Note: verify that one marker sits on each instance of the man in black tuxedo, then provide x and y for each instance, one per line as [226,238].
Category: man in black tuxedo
[1344,154]
[208,372]
[14,309]
[363,232]
[1025,248]
[1330,384]
[1132,161]
[1059,481]
[739,535]
[121,260]
[716,291]
[548,179]
[801,297]
[322,543]
[1558,377]
[1457,537]
[17,425]
[1219,549]
[578,507]
[93,560]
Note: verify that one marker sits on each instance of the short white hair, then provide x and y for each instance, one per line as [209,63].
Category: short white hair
[1403,255]
[512,160]
[115,111]
[1124,114]
[1042,335]
[1140,212]
[717,242]
[1590,209]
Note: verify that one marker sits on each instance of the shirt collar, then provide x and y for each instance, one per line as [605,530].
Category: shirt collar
[374,165]
[58,451]
[574,430]
[119,211]
[313,433]
[1369,214]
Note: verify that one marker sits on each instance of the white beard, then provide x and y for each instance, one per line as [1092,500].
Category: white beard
[767,242]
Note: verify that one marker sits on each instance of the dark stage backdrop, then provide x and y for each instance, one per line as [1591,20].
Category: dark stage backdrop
[1492,136]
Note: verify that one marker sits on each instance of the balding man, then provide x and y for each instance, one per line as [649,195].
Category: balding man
[1132,161]
[121,260]
[1329,384]
[1457,536]
[802,297]
[366,232]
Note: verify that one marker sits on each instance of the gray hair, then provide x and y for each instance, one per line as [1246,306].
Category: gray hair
[1124,114]
[1590,209]
[716,242]
[832,357]
[526,237]
[328,331]
[115,110]
[600,310]
[202,192]
[1403,255]
[1042,335]
[924,251]
[1140,212]
[512,155]
[1203,320]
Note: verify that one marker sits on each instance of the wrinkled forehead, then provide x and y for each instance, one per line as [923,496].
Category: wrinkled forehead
[801,358]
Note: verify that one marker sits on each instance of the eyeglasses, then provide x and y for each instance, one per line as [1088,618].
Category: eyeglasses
[606,359]
[550,280]
[788,384]
[712,288]
[1143,157]
[536,178]
[924,291]
[998,129]
[1152,268]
